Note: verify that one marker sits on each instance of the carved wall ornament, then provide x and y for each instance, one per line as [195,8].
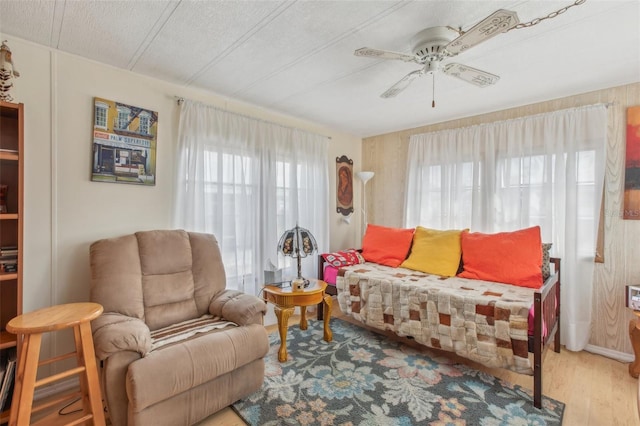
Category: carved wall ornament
[344,185]
[7,72]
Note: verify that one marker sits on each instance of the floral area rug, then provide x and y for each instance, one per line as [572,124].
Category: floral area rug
[363,378]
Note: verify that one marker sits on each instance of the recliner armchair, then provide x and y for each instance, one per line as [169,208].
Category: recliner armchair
[175,346]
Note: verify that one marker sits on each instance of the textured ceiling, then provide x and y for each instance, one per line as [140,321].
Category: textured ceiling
[296,57]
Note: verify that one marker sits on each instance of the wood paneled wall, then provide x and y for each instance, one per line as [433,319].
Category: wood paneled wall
[386,155]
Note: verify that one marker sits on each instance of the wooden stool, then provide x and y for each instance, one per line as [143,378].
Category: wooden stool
[32,325]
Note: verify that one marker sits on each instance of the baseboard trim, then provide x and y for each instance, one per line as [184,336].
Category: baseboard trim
[610,353]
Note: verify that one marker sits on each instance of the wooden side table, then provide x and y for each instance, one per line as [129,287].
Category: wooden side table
[285,301]
[32,325]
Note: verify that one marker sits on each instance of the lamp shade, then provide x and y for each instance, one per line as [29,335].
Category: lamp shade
[297,242]
[365,176]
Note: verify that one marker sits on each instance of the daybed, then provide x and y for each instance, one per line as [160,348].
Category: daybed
[493,323]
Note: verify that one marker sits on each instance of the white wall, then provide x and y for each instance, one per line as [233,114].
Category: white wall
[64,211]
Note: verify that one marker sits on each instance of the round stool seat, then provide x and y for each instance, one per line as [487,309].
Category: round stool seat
[54,318]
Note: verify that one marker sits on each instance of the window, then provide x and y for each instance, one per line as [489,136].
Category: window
[100,113]
[525,189]
[123,118]
[144,123]
[229,180]
[545,170]
[246,181]
[228,183]
[522,195]
[289,177]
[441,208]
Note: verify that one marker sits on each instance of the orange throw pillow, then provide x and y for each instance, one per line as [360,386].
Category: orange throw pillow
[506,257]
[386,246]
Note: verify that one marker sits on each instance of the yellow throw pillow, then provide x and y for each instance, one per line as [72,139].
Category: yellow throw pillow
[435,252]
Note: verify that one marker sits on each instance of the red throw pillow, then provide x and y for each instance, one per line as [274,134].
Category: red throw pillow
[386,246]
[343,258]
[506,257]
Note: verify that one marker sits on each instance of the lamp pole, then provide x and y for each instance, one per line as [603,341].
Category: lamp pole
[297,245]
[364,177]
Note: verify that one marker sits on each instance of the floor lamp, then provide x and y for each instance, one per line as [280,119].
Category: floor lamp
[364,177]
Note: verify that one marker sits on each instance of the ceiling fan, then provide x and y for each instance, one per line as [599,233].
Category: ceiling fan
[432,46]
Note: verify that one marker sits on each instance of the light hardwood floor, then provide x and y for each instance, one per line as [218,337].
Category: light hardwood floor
[597,391]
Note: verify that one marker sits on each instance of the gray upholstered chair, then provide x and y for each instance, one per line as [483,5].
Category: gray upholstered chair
[175,346]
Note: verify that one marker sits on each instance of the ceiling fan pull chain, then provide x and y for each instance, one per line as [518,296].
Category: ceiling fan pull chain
[552,15]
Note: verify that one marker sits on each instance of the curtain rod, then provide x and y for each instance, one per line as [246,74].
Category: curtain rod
[606,105]
[180,101]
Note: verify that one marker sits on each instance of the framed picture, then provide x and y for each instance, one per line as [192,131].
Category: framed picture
[124,143]
[632,166]
[344,185]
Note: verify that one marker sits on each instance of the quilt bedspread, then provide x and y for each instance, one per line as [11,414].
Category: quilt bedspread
[482,321]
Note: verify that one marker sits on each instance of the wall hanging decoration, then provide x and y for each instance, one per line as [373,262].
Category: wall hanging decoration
[7,72]
[344,185]
[124,143]
[632,166]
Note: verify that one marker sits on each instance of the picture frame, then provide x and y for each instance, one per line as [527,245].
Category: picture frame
[124,143]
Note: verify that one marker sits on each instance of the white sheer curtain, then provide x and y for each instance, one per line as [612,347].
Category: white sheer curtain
[246,181]
[545,170]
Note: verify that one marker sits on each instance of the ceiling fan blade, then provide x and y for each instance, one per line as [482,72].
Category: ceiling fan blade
[498,22]
[384,54]
[402,84]
[472,75]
